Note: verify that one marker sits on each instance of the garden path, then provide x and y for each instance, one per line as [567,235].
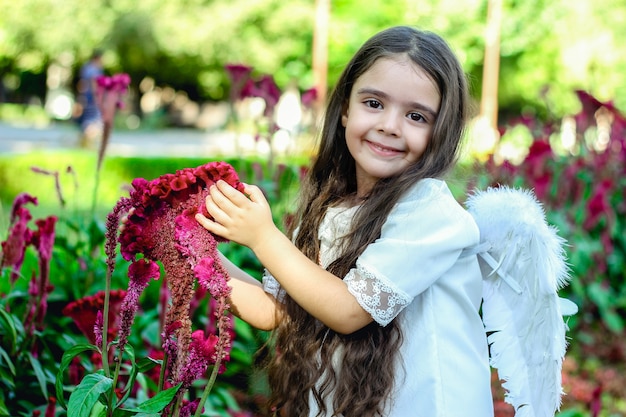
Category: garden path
[166,142]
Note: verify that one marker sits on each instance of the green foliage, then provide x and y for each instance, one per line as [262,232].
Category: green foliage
[78,269]
[185,45]
[578,176]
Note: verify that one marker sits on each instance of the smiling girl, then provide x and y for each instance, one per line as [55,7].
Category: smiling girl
[374,309]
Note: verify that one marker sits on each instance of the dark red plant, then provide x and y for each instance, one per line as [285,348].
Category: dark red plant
[160,226]
[85,310]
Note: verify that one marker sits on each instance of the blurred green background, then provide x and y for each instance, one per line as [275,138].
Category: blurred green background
[178,49]
[556,60]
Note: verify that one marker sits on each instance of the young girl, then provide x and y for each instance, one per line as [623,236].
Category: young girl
[374,307]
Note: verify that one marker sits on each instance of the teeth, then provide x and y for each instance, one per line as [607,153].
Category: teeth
[382,148]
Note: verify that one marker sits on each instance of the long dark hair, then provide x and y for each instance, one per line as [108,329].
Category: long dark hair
[362,379]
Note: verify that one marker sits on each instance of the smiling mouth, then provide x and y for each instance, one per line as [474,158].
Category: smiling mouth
[383,149]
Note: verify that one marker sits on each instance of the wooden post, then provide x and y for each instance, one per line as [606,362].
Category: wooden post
[320,51]
[491,69]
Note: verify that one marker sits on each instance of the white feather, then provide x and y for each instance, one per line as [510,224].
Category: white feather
[523,269]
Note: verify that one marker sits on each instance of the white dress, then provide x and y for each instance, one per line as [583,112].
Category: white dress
[415,272]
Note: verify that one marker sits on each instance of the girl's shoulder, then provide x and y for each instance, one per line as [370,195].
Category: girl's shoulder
[429,191]
[430,200]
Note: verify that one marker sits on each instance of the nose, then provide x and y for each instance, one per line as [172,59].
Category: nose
[390,123]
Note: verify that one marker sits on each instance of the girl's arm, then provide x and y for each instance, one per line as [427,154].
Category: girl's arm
[248,221]
[248,299]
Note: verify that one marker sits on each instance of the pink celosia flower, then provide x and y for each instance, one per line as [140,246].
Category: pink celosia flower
[97,329]
[269,92]
[43,241]
[19,237]
[238,74]
[139,273]
[110,92]
[162,227]
[309,97]
[189,409]
[264,88]
[202,352]
[170,347]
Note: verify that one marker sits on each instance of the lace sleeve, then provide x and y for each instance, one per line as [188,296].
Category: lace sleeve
[377,297]
[272,286]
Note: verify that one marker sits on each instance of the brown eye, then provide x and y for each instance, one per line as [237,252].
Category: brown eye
[375,104]
[417,117]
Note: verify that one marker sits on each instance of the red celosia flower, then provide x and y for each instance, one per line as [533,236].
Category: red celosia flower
[50,409]
[162,227]
[590,105]
[599,204]
[535,167]
[264,88]
[85,310]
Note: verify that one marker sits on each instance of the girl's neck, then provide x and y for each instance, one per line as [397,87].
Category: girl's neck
[353,199]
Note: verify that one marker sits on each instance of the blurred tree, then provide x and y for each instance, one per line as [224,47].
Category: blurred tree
[548,48]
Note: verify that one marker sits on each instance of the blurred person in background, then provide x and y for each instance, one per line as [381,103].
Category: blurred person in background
[87,113]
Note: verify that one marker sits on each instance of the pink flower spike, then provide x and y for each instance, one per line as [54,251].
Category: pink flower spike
[139,273]
[142,270]
[97,328]
[120,82]
[14,247]
[309,97]
[238,72]
[204,347]
[104,83]
[43,238]
[19,201]
[270,92]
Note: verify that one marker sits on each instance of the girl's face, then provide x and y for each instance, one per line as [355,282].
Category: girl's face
[389,119]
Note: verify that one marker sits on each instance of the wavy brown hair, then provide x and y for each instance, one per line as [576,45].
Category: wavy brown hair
[362,380]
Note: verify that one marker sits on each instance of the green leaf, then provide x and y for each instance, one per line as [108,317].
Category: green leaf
[41,377]
[157,403]
[5,356]
[147,363]
[4,411]
[66,360]
[86,395]
[8,323]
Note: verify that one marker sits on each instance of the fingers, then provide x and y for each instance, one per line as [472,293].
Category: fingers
[231,193]
[124,219]
[210,225]
[254,193]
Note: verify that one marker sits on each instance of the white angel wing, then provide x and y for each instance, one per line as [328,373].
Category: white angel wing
[523,265]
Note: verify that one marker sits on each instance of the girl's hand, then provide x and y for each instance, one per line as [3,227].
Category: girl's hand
[245,219]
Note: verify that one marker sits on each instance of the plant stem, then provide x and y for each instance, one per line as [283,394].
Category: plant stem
[115,377]
[162,373]
[105,326]
[210,383]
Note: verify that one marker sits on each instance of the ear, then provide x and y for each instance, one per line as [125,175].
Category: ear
[344,114]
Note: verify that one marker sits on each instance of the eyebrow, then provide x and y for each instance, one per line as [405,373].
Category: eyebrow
[384,95]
